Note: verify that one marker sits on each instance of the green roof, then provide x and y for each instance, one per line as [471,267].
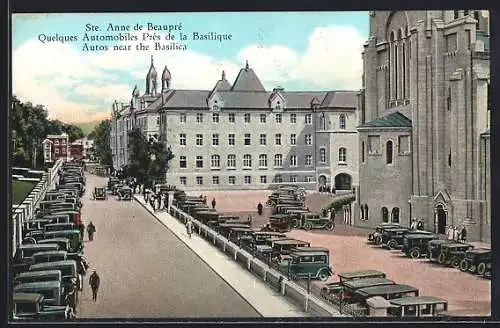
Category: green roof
[393,120]
[361,273]
[362,283]
[386,289]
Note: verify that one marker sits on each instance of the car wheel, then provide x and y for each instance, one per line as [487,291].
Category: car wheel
[455,263]
[481,268]
[464,265]
[441,258]
[378,240]
[323,275]
[392,244]
[296,224]
[415,253]
[308,226]
[330,226]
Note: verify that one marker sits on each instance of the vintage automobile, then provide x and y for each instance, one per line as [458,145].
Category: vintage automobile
[116,187]
[33,225]
[393,238]
[416,245]
[342,292]
[418,306]
[477,261]
[236,234]
[51,256]
[51,290]
[284,246]
[206,216]
[257,241]
[225,228]
[125,193]
[63,243]
[68,268]
[99,194]
[47,204]
[57,218]
[74,216]
[336,287]
[386,291]
[59,226]
[310,221]
[379,229]
[434,248]
[453,254]
[75,237]
[30,306]
[280,223]
[308,262]
[283,208]
[82,264]
[65,206]
[35,276]
[23,257]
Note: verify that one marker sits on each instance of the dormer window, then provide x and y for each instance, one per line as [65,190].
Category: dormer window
[215,108]
[278,105]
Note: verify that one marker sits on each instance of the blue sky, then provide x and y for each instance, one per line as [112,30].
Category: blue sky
[298,51]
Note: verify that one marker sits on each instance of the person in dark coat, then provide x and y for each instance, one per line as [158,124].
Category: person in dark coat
[205,200]
[420,225]
[259,208]
[214,203]
[463,235]
[91,230]
[94,282]
[81,227]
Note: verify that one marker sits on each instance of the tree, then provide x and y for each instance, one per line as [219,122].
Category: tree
[139,157]
[101,137]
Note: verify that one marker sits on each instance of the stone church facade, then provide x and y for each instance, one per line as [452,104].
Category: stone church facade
[424,121]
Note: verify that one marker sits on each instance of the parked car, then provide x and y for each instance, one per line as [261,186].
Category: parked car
[284,246]
[280,222]
[75,237]
[380,228]
[30,306]
[68,268]
[36,276]
[418,306]
[235,234]
[416,245]
[63,243]
[125,193]
[51,290]
[393,238]
[59,226]
[349,287]
[434,248]
[386,291]
[477,261]
[336,287]
[224,228]
[23,257]
[310,221]
[206,216]
[305,262]
[99,194]
[51,256]
[453,254]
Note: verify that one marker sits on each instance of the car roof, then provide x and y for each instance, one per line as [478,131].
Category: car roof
[50,253]
[480,250]
[242,229]
[442,241]
[417,300]
[60,224]
[310,249]
[73,231]
[235,225]
[269,233]
[360,273]
[48,241]
[397,229]
[290,241]
[27,297]
[362,283]
[38,273]
[52,264]
[38,284]
[396,288]
[457,245]
[279,216]
[421,235]
[38,246]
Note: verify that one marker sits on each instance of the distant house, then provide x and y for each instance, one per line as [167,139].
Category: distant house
[77,150]
[56,147]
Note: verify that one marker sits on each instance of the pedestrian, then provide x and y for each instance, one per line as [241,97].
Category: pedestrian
[71,296]
[333,190]
[205,200]
[332,215]
[91,230]
[328,190]
[420,225]
[463,235]
[152,200]
[413,225]
[158,200]
[81,227]
[94,282]
[449,232]
[259,208]
[455,233]
[144,194]
[250,219]
[165,202]
[213,203]
[189,227]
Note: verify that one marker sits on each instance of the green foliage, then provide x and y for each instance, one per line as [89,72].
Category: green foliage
[30,126]
[339,203]
[101,137]
[20,190]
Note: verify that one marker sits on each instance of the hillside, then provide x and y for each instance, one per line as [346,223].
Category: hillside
[87,127]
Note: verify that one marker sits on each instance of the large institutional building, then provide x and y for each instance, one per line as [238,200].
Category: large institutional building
[241,136]
[424,136]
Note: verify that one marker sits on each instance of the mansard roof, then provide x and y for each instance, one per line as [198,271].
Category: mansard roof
[393,120]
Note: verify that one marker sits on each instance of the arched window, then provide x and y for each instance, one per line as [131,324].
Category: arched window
[362,152]
[388,150]
[395,215]
[403,55]
[342,155]
[342,123]
[322,121]
[322,155]
[385,214]
[392,66]
[362,208]
[366,212]
[215,161]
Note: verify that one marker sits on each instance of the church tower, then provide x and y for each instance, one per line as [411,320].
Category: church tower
[151,80]
[166,79]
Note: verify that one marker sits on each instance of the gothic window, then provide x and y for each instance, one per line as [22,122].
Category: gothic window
[388,149]
[395,215]
[404,69]
[342,155]
[385,214]
[362,208]
[342,121]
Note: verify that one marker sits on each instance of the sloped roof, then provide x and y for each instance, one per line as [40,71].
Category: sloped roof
[186,98]
[341,99]
[393,120]
[247,80]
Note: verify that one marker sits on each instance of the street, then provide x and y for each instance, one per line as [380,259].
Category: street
[145,270]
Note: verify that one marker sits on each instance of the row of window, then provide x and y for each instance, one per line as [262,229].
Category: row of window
[63,150]
[247,139]
[385,214]
[215,161]
[247,179]
[374,145]
[246,118]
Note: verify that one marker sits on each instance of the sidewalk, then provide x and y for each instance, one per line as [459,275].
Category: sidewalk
[263,299]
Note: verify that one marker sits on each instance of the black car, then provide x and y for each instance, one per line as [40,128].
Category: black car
[477,261]
[453,254]
[416,245]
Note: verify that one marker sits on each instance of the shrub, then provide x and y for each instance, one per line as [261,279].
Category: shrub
[339,203]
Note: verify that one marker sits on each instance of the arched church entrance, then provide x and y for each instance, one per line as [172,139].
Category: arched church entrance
[441,216]
[343,181]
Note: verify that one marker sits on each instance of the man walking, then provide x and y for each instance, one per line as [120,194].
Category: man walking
[189,227]
[91,230]
[213,203]
[259,208]
[94,282]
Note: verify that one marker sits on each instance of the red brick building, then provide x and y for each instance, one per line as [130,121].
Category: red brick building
[56,147]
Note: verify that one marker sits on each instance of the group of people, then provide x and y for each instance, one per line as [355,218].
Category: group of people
[326,189]
[417,224]
[158,201]
[456,234]
[204,197]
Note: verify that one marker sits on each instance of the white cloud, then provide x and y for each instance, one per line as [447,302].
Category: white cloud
[332,60]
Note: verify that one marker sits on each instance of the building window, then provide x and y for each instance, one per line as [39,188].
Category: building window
[215,180]
[342,155]
[308,119]
[56,150]
[247,118]
[215,117]
[362,210]
[395,215]
[293,139]
[373,144]
[293,118]
[466,12]
[455,14]
[182,162]
[262,160]
[231,117]
[278,178]
[56,143]
[262,118]
[215,108]
[231,161]
[366,212]
[231,139]
[263,179]
[247,161]
[448,100]
[342,121]
[322,122]
[278,118]
[309,178]
[385,214]
[183,180]
[293,178]
[199,118]
[157,121]
[199,162]
[199,140]
[322,155]
[247,139]
[215,139]
[182,118]
[199,180]
[278,139]
[182,139]
[215,161]
[263,139]
[362,152]
[308,139]
[293,160]
[404,144]
[388,150]
[232,180]
[309,160]
[278,160]
[449,159]
[248,179]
